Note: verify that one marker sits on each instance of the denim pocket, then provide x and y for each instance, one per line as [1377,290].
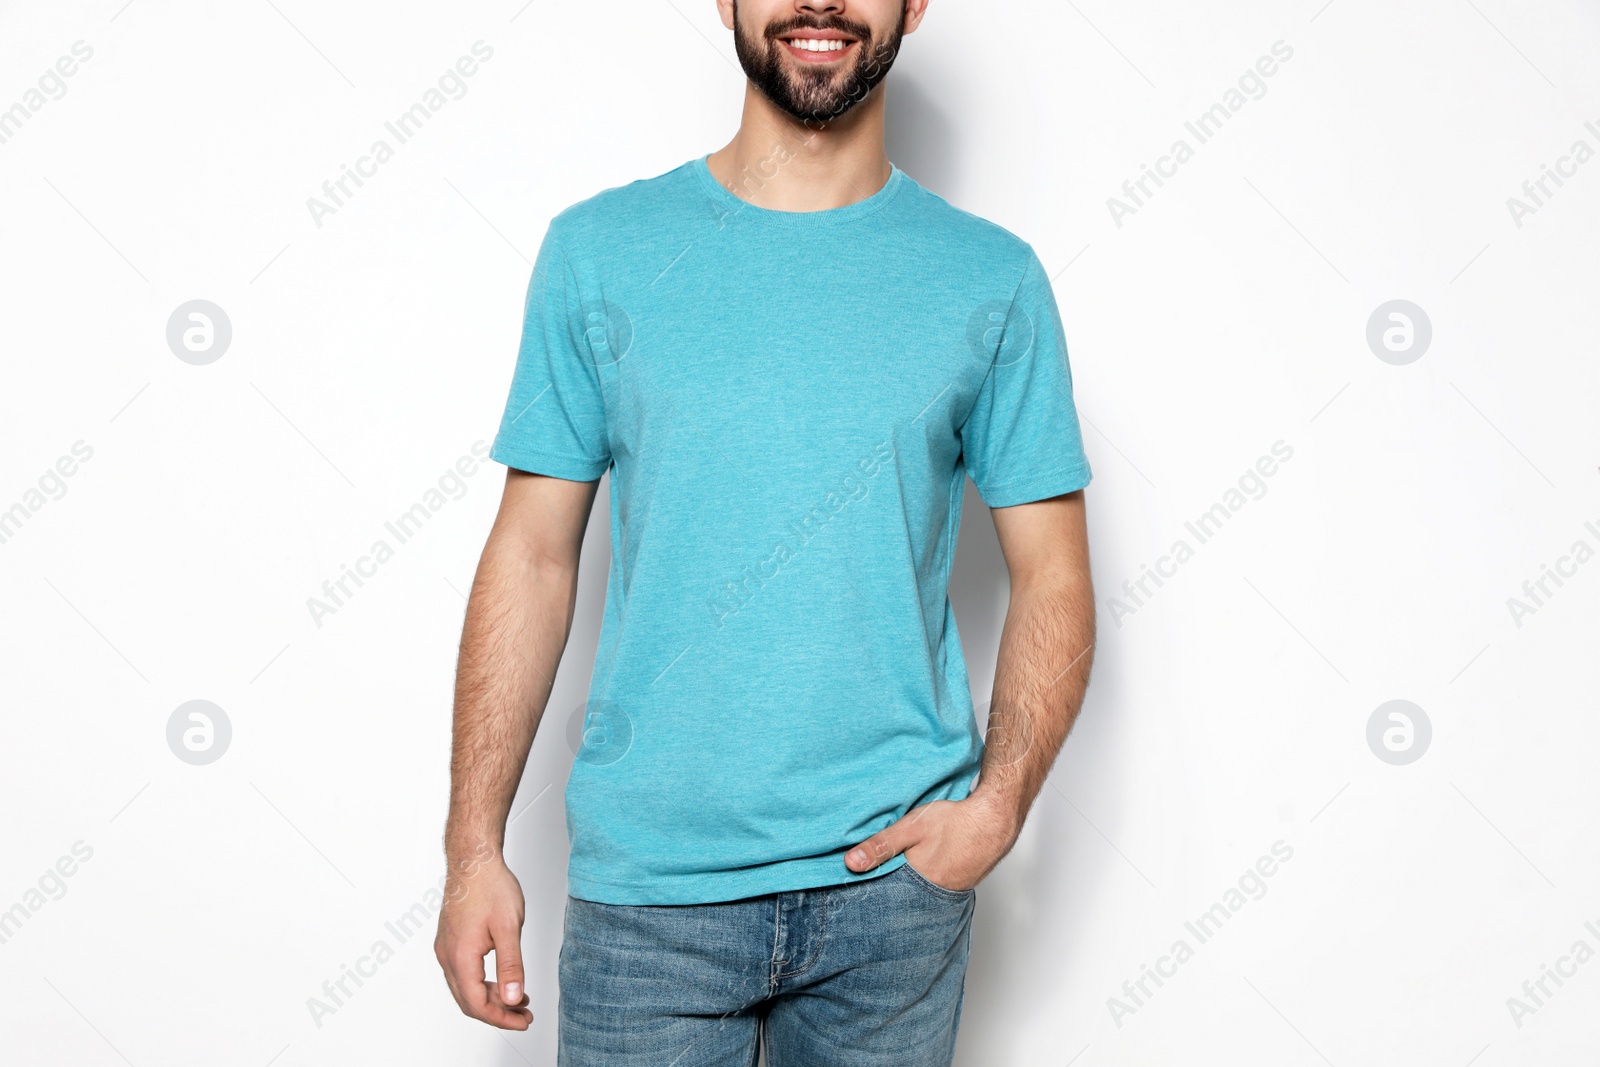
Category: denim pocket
[937,890]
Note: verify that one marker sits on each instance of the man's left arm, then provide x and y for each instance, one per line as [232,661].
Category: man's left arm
[1046,650]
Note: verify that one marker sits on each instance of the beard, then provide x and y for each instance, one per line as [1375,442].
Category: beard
[814,97]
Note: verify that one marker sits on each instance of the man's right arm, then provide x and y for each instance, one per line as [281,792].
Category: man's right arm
[518,619]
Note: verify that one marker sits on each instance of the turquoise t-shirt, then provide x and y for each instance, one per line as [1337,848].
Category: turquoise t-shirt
[789,404]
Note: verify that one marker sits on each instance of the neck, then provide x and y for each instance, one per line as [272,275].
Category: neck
[775,162]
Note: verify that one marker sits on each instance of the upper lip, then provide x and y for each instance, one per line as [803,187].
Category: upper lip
[815,35]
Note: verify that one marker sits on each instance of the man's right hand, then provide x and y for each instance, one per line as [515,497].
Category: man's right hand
[518,619]
[483,910]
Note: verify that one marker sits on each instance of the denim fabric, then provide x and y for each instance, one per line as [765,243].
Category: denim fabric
[867,974]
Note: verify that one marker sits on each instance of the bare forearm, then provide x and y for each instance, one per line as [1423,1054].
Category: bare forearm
[518,618]
[1046,650]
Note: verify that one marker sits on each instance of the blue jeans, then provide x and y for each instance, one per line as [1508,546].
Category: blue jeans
[862,975]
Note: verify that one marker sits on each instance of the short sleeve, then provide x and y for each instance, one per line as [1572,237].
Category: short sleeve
[555,417]
[1021,442]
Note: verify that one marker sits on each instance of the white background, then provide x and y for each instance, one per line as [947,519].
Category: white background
[1228,713]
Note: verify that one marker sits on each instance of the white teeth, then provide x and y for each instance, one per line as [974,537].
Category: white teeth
[812,44]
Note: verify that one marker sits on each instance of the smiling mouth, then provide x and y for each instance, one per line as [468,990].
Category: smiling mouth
[818,49]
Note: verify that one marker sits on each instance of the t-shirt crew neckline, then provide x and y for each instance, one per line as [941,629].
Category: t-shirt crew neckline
[866,206]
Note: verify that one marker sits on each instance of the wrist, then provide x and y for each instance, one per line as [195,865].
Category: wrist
[1004,813]
[467,850]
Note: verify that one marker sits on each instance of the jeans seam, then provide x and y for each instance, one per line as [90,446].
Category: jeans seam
[816,953]
[949,894]
[777,944]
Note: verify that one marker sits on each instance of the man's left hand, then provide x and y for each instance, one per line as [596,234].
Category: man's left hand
[951,843]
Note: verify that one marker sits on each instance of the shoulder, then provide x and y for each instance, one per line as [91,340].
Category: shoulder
[961,233]
[619,210]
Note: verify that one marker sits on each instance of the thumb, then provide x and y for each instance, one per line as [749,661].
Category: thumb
[885,844]
[508,964]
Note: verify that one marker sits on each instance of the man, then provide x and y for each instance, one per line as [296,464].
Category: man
[789,356]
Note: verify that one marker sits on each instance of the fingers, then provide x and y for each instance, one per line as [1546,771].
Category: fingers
[489,919]
[480,999]
[508,964]
[886,843]
[517,1016]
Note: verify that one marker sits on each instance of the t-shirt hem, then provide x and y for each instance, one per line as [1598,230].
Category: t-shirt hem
[724,886]
[554,464]
[1036,487]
